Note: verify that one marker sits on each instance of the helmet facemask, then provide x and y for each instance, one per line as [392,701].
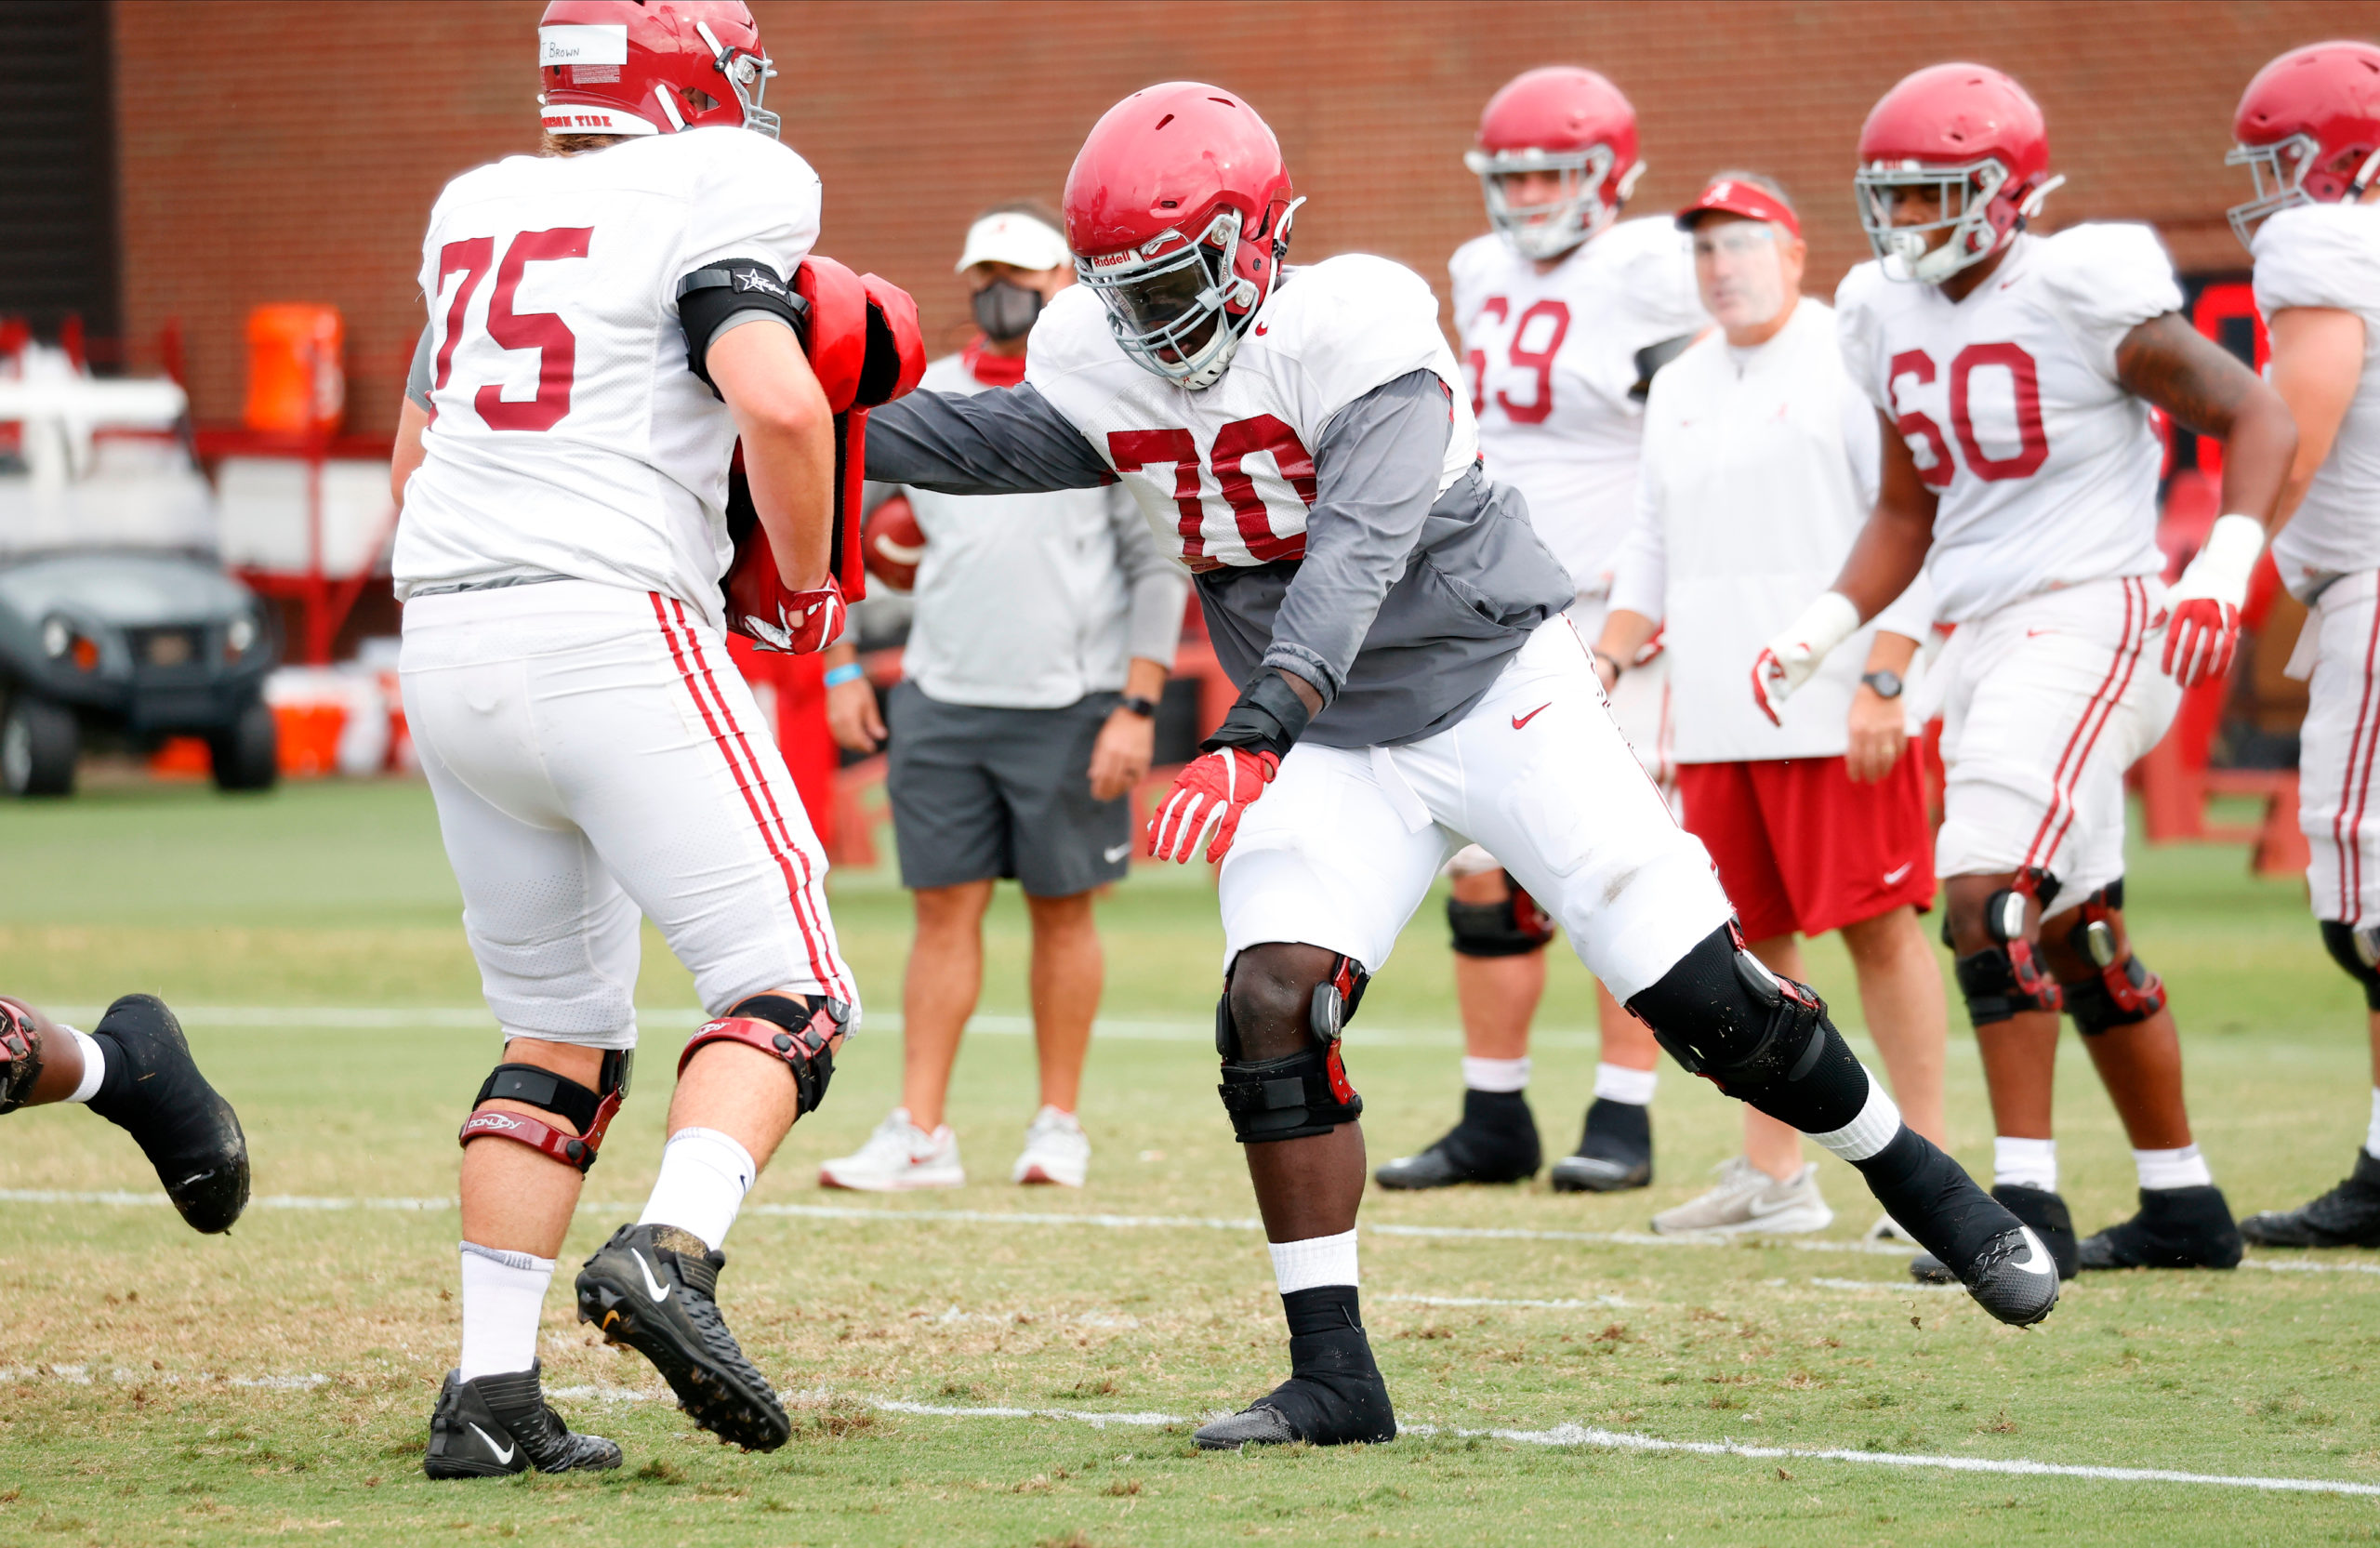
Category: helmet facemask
[1178,305]
[2281,171]
[747,77]
[1548,230]
[1964,196]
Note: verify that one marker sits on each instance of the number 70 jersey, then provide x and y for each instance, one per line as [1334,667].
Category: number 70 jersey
[2043,464]
[568,436]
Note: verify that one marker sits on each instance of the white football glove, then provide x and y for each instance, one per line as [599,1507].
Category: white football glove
[1787,662]
[2203,610]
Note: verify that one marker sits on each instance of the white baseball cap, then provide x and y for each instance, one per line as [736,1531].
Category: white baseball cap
[1013,237]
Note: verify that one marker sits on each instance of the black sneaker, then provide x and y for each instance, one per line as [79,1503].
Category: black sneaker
[1334,1395]
[2039,1208]
[2175,1228]
[1495,1142]
[2346,1216]
[1977,1240]
[494,1425]
[1614,1154]
[152,1091]
[653,1288]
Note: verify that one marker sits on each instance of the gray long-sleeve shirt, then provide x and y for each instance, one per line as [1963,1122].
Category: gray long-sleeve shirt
[1407,601]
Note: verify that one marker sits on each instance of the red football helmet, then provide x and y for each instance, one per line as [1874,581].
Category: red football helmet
[1178,211]
[1973,137]
[622,67]
[2309,129]
[1557,118]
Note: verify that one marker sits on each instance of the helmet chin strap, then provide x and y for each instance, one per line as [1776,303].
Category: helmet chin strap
[2363,176]
[2031,207]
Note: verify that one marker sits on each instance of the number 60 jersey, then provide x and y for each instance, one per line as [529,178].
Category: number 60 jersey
[568,436]
[2043,464]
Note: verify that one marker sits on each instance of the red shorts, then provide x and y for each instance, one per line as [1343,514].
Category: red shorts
[1799,847]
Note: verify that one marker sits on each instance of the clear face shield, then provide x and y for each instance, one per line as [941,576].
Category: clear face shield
[748,76]
[1547,228]
[1740,266]
[2280,172]
[1926,223]
[1168,312]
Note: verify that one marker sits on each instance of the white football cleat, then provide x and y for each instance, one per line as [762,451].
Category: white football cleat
[897,1157]
[1055,1151]
[1750,1202]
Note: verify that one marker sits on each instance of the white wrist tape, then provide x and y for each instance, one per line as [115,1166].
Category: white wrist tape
[2223,561]
[1825,624]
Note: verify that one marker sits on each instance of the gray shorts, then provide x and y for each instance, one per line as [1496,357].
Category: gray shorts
[980,792]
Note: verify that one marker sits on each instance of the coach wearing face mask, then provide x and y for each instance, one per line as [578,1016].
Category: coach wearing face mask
[1044,627]
[1760,465]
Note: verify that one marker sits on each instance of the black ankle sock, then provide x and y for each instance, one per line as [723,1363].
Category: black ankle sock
[1628,1122]
[1932,1199]
[1497,1110]
[1334,1393]
[116,1090]
[1322,1309]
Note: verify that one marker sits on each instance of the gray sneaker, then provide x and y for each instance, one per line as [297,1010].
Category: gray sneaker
[1748,1201]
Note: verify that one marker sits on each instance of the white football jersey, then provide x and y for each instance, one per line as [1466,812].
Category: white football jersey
[1226,475]
[2329,255]
[567,435]
[1551,358]
[2045,466]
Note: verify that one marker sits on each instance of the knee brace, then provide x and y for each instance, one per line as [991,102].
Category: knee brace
[2356,950]
[20,1057]
[2007,976]
[1303,1093]
[2124,991]
[1513,928]
[1761,1039]
[800,1031]
[589,1112]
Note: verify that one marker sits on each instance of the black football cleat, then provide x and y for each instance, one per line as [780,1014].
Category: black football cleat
[153,1092]
[2175,1228]
[2042,1209]
[1976,1238]
[2346,1216]
[1495,1142]
[1334,1395]
[653,1288]
[496,1425]
[1614,1155]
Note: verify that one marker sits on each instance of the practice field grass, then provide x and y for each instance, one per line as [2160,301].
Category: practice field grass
[997,1366]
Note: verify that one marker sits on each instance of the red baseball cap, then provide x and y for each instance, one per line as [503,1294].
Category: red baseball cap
[1735,196]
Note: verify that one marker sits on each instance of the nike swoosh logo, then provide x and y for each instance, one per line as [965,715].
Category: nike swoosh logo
[1261,327]
[1759,1209]
[2034,633]
[2035,1261]
[1892,877]
[1118,852]
[503,1454]
[1520,721]
[659,1292]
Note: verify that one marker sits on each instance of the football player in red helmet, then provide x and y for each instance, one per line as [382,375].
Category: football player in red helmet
[2014,374]
[607,322]
[1565,311]
[1304,440]
[2308,127]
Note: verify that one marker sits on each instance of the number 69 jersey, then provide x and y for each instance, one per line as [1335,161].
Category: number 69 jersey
[1226,475]
[568,436]
[2044,466]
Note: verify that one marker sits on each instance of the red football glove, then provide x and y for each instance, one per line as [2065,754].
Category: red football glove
[1208,797]
[805,621]
[2202,620]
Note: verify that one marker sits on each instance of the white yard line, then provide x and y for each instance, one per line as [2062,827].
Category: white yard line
[1564,1435]
[1114,1222]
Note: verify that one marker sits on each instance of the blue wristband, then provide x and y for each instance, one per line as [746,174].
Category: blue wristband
[850,672]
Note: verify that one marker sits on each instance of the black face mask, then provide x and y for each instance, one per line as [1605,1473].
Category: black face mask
[1006,311]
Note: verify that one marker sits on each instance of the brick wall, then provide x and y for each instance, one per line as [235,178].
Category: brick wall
[273,152]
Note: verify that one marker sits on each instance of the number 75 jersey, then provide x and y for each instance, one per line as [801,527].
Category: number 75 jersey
[568,436]
[2043,464]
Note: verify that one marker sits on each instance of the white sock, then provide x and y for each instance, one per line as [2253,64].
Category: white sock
[95,1069]
[1878,1122]
[2024,1163]
[703,1177]
[2172,1168]
[1619,1083]
[1316,1261]
[502,1293]
[1496,1075]
[2372,1135]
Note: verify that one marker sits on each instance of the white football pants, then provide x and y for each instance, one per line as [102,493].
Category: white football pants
[2342,732]
[1343,844]
[594,753]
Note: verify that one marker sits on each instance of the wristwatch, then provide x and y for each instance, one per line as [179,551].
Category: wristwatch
[1145,708]
[1886,686]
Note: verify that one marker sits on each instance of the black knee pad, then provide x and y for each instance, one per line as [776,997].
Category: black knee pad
[1303,1094]
[1761,1039]
[589,1112]
[2123,992]
[1513,928]
[2008,976]
[2356,951]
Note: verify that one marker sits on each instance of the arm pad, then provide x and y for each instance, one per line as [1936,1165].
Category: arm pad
[715,294]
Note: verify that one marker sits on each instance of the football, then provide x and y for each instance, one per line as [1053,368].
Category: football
[893,544]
